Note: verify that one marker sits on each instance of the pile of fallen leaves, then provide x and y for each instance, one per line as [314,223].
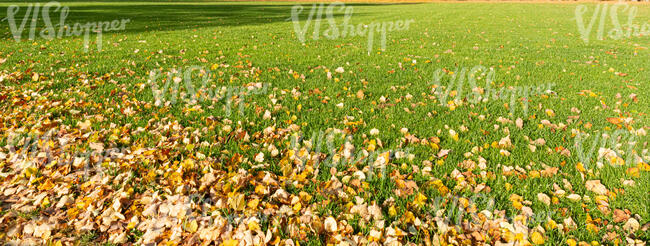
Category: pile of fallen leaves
[63,181]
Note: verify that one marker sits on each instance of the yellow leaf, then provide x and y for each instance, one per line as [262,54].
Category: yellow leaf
[443,190]
[176,178]
[188,164]
[516,201]
[304,196]
[537,238]
[45,202]
[555,200]
[508,236]
[592,228]
[53,163]
[260,189]
[534,174]
[237,202]
[392,211]
[372,145]
[419,200]
[230,242]
[131,225]
[30,171]
[551,224]
[434,146]
[643,166]
[192,226]
[409,217]
[46,185]
[519,236]
[73,212]
[571,242]
[253,203]
[385,155]
[550,112]
[253,226]
[580,167]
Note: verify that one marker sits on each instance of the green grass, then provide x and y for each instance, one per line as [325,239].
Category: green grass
[526,45]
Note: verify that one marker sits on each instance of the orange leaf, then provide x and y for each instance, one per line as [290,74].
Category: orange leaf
[614,121]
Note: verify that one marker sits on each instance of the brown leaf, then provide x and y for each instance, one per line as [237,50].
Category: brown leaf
[596,187]
[443,152]
[614,121]
[620,216]
[360,94]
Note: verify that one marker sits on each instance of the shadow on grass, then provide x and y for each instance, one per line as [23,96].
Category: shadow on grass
[146,17]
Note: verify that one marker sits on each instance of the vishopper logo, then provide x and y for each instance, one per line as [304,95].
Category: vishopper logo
[456,84]
[50,149]
[455,210]
[51,31]
[618,148]
[451,91]
[600,15]
[199,88]
[332,148]
[348,30]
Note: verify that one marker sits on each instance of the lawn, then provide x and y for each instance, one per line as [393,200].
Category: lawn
[238,123]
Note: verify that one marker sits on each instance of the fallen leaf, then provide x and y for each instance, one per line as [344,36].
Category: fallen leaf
[596,187]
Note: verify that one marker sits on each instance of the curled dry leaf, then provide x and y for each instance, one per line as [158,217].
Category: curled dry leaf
[596,187]
[330,225]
